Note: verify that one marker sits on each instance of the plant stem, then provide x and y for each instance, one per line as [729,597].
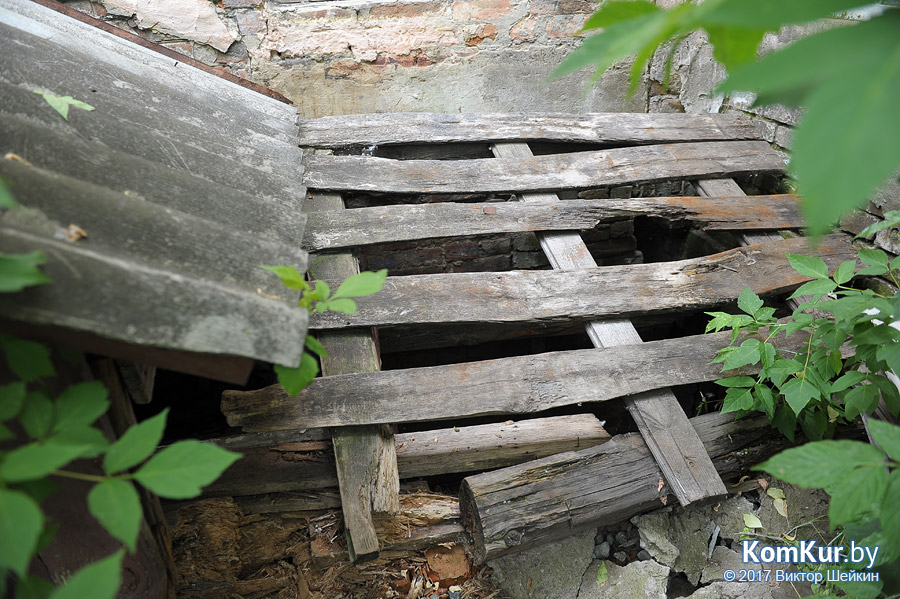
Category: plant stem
[79,476]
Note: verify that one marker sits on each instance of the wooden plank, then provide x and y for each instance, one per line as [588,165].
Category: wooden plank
[128,228]
[365,457]
[138,380]
[606,292]
[507,510]
[611,128]
[343,229]
[309,465]
[131,302]
[517,385]
[553,172]
[658,415]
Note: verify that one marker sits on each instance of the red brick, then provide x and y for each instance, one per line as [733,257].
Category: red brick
[240,3]
[524,29]
[466,10]
[250,21]
[565,26]
[484,32]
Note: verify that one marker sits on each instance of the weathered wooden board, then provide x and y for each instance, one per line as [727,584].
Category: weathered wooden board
[309,465]
[343,229]
[365,457]
[658,415]
[51,148]
[612,291]
[129,228]
[508,510]
[539,173]
[612,128]
[133,302]
[518,385]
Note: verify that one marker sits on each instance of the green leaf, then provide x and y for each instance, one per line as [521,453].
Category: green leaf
[182,469]
[747,353]
[602,573]
[294,380]
[362,284]
[847,380]
[785,420]
[99,580]
[34,587]
[814,423]
[80,405]
[737,381]
[798,393]
[891,219]
[887,436]
[28,360]
[749,302]
[860,400]
[808,266]
[855,112]
[39,490]
[323,291]
[766,399]
[782,369]
[7,202]
[116,504]
[12,397]
[343,305]
[734,46]
[21,522]
[845,272]
[891,355]
[816,288]
[290,276]
[890,515]
[61,103]
[751,521]
[36,460]
[18,271]
[858,493]
[737,399]
[771,14]
[313,345]
[614,11]
[37,414]
[136,445]
[821,463]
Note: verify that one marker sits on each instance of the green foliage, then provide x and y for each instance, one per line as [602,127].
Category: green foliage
[847,78]
[18,271]
[61,103]
[180,470]
[317,299]
[116,504]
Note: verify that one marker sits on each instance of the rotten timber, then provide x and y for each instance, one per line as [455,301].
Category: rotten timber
[518,385]
[341,229]
[365,457]
[586,294]
[578,170]
[508,510]
[309,465]
[609,128]
[658,415]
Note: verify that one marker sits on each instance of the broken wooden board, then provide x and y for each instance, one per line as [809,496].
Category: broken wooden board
[658,415]
[518,385]
[607,128]
[577,170]
[341,229]
[507,510]
[309,465]
[365,457]
[586,294]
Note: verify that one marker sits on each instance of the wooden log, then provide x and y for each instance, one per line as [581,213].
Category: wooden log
[586,294]
[611,128]
[309,465]
[365,458]
[517,385]
[659,417]
[343,229]
[138,380]
[554,172]
[508,510]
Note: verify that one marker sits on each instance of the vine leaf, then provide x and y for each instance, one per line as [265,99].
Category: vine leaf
[61,103]
[295,379]
[136,445]
[21,522]
[18,271]
[99,580]
[115,503]
[181,470]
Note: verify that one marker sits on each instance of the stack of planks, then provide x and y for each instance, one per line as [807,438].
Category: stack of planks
[592,482]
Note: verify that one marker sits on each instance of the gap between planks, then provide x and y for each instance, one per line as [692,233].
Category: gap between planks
[673,442]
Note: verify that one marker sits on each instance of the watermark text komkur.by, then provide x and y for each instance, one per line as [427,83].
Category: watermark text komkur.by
[808,552]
